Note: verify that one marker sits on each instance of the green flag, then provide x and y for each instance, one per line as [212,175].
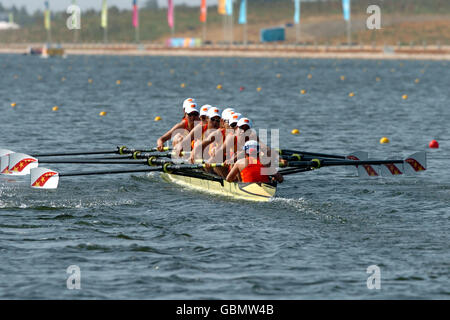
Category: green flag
[104,14]
[11,17]
[47,18]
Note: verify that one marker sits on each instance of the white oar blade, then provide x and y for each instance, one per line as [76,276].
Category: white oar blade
[4,152]
[358,155]
[368,170]
[391,169]
[20,164]
[43,178]
[416,162]
[4,160]
[4,163]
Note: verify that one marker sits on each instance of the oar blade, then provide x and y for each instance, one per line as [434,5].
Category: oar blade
[4,152]
[43,178]
[368,170]
[392,169]
[4,164]
[358,155]
[415,163]
[20,164]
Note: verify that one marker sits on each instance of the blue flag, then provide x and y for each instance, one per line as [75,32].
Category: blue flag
[229,7]
[297,11]
[243,12]
[346,9]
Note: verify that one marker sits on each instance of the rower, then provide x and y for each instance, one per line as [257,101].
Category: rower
[229,147]
[181,129]
[226,115]
[249,169]
[204,113]
[215,137]
[197,133]
[187,102]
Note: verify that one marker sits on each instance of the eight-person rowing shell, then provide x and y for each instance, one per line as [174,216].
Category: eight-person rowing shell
[216,138]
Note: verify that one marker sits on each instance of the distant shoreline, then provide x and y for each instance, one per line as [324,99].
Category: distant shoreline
[251,51]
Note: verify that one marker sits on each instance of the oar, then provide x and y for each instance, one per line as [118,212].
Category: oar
[43,178]
[151,161]
[305,155]
[317,163]
[119,150]
[369,168]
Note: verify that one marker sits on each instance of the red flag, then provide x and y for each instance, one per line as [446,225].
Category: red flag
[203,11]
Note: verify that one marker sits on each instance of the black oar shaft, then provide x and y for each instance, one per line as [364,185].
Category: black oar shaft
[328,163]
[93,161]
[90,173]
[75,153]
[289,152]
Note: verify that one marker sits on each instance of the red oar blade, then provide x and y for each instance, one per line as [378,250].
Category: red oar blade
[391,169]
[415,163]
[20,164]
[368,170]
[43,178]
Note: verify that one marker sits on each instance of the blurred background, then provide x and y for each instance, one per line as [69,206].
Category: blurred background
[319,22]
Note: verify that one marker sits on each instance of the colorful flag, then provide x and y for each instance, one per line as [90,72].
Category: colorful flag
[47,18]
[297,12]
[170,14]
[11,17]
[229,7]
[221,7]
[135,14]
[346,9]
[243,12]
[104,22]
[203,10]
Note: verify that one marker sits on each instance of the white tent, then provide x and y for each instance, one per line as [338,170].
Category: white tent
[8,26]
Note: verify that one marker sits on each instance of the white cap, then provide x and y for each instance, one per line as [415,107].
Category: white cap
[251,146]
[226,112]
[244,121]
[235,117]
[187,102]
[191,107]
[204,109]
[213,112]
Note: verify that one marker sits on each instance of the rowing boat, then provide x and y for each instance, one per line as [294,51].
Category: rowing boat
[216,185]
[193,175]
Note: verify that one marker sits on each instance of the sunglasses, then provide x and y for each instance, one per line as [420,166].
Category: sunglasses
[215,119]
[193,114]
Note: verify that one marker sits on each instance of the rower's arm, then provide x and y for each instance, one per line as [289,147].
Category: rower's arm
[188,139]
[198,149]
[160,142]
[232,175]
[225,146]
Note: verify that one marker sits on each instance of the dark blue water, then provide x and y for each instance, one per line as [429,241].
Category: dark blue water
[136,236]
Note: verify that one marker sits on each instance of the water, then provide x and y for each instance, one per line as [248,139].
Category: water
[138,237]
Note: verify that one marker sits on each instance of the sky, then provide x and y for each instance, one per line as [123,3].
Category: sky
[59,5]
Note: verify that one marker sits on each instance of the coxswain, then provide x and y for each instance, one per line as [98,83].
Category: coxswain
[250,169]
